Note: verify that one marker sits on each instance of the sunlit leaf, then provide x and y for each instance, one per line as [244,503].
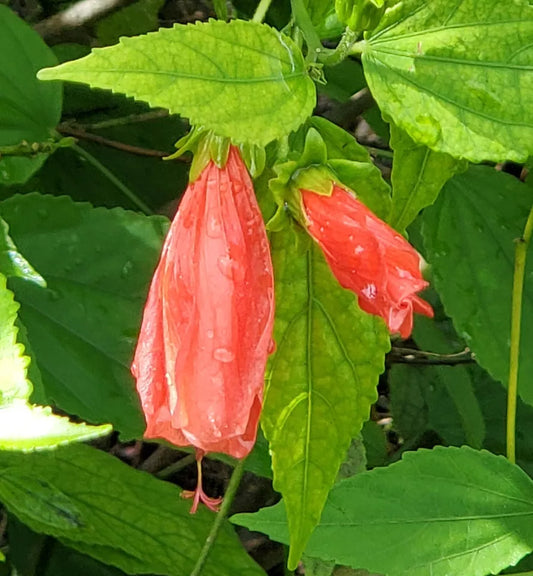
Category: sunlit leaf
[321,381]
[437,512]
[241,79]
[457,76]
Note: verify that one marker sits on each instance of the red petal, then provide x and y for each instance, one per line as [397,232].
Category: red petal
[207,326]
[368,257]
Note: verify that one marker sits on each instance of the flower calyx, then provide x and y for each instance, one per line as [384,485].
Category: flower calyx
[207,146]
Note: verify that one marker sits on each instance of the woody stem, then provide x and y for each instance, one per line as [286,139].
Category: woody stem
[220,517]
[521,247]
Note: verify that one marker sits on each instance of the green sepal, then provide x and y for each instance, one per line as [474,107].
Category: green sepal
[205,146]
[280,220]
[315,150]
[320,155]
[254,157]
[360,15]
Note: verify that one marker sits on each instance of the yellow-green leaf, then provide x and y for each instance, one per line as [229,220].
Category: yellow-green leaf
[321,381]
[244,80]
[457,76]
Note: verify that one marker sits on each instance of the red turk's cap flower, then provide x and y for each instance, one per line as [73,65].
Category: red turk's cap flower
[207,326]
[368,257]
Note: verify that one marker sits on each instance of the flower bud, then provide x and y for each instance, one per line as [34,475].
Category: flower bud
[207,326]
[368,257]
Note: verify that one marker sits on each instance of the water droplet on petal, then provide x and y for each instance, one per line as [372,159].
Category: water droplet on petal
[214,227]
[210,334]
[223,355]
[369,291]
[271,347]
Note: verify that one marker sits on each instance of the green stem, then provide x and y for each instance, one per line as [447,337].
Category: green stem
[341,52]
[261,10]
[521,247]
[113,179]
[303,21]
[220,517]
[380,152]
[176,467]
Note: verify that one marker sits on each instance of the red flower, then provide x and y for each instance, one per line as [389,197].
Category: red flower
[207,325]
[368,257]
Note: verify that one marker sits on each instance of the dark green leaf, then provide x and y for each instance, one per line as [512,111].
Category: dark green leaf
[35,554]
[98,505]
[137,18]
[469,234]
[321,381]
[457,76]
[98,264]
[241,79]
[29,109]
[418,175]
[435,513]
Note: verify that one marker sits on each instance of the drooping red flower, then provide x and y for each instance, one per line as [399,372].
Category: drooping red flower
[368,257]
[207,326]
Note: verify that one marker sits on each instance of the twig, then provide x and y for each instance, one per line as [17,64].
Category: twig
[346,112]
[79,14]
[125,120]
[399,355]
[25,148]
[521,247]
[83,135]
[220,517]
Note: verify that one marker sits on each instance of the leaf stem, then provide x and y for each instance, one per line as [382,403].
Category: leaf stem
[304,22]
[220,517]
[113,179]
[521,247]
[261,10]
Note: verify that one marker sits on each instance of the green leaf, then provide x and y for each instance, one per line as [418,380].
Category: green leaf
[241,79]
[321,381]
[12,262]
[29,109]
[437,512]
[418,175]
[457,76]
[25,427]
[469,234]
[102,507]
[98,264]
[13,382]
[28,549]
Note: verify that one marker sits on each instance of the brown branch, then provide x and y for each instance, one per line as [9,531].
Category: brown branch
[82,135]
[399,355]
[77,15]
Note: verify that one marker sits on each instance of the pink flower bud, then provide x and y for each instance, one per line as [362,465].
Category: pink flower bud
[207,326]
[368,257]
